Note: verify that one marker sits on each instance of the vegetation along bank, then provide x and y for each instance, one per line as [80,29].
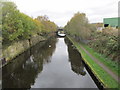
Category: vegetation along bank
[20,32]
[98,49]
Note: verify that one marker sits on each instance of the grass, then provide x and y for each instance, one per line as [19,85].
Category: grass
[106,61]
[101,74]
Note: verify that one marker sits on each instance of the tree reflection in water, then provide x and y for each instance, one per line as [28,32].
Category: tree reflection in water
[75,59]
[23,70]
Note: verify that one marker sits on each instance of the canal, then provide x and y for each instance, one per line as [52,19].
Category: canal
[51,64]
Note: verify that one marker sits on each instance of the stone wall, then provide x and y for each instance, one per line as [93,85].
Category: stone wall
[19,47]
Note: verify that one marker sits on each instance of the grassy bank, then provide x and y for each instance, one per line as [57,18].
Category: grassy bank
[108,62]
[99,72]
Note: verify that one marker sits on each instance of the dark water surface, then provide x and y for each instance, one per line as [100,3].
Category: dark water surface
[52,64]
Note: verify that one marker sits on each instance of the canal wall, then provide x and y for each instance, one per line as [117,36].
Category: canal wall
[18,47]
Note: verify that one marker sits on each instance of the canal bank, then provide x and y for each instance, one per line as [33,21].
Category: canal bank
[105,79]
[18,47]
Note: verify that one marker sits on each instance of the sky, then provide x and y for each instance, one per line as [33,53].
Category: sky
[61,11]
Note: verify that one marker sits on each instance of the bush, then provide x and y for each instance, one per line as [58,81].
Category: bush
[106,42]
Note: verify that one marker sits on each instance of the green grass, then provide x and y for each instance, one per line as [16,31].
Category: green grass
[106,61]
[101,74]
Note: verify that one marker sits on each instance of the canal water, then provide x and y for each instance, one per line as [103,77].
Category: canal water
[51,64]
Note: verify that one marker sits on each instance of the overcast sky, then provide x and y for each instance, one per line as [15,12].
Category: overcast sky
[61,11]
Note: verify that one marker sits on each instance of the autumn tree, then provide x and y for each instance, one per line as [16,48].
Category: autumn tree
[17,25]
[79,26]
[48,26]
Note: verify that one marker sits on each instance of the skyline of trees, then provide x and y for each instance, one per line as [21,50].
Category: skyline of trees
[17,25]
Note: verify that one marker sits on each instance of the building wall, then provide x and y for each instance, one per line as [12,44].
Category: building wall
[113,22]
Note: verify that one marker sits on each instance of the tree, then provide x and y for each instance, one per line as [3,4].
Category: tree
[43,18]
[15,25]
[48,26]
[78,26]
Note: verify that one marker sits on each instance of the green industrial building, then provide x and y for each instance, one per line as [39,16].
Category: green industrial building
[112,22]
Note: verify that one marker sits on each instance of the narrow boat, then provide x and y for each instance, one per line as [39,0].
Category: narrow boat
[61,34]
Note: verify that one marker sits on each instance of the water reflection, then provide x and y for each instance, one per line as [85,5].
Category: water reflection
[51,64]
[75,59]
[21,73]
